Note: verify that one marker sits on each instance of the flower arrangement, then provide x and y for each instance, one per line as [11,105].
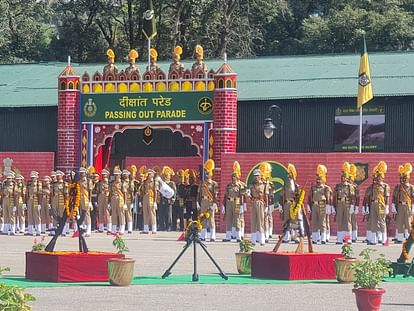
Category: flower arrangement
[246,246]
[346,249]
[73,188]
[119,244]
[38,246]
[196,224]
[369,272]
[296,206]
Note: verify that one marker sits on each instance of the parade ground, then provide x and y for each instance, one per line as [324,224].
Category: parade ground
[155,253]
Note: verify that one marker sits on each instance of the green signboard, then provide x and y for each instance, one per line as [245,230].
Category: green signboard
[144,107]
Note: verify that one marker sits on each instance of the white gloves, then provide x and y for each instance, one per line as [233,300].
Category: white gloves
[126,207]
[214,206]
[223,210]
[241,209]
[109,207]
[393,208]
[356,210]
[333,211]
[366,211]
[387,209]
[49,206]
[155,205]
[266,210]
[14,209]
[309,209]
[280,208]
[39,207]
[140,204]
[271,208]
[244,207]
[352,209]
[412,209]
[198,206]
[131,206]
[90,205]
[328,210]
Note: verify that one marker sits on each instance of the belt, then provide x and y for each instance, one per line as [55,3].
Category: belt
[406,203]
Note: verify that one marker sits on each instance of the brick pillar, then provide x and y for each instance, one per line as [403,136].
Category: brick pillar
[224,131]
[68,120]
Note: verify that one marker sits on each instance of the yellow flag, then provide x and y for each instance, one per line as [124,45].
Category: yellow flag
[364,79]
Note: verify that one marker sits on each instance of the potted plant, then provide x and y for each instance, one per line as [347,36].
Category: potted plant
[120,270]
[369,273]
[13,297]
[344,272]
[243,257]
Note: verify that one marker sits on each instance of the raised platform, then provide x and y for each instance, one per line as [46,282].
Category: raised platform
[293,266]
[68,266]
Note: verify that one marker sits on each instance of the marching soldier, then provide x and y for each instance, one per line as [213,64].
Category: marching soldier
[355,211]
[165,208]
[85,200]
[319,205]
[376,206]
[233,205]
[9,204]
[128,190]
[290,193]
[149,202]
[178,207]
[118,205]
[103,191]
[132,56]
[260,201]
[45,211]
[402,203]
[343,198]
[207,201]
[110,66]
[176,65]
[199,64]
[154,68]
[34,192]
[20,199]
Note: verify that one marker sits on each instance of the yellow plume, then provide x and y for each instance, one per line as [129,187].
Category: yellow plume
[133,168]
[353,171]
[178,50]
[143,170]
[406,169]
[166,170]
[91,169]
[321,171]
[346,168]
[236,169]
[154,53]
[292,171]
[401,169]
[110,53]
[209,166]
[133,55]
[199,51]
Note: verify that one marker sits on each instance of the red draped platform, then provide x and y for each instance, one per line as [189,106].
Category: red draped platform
[293,266]
[68,266]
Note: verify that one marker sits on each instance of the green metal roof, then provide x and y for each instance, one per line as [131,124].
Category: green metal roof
[26,85]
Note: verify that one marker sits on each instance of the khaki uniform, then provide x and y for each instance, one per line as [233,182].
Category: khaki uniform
[233,200]
[117,206]
[208,191]
[104,216]
[259,197]
[128,190]
[354,223]
[20,195]
[268,218]
[403,199]
[376,198]
[319,201]
[342,200]
[85,203]
[45,217]
[149,199]
[34,191]
[9,206]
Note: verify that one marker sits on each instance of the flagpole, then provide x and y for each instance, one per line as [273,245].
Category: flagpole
[360,129]
[149,56]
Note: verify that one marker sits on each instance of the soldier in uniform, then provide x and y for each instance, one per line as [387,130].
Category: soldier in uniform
[355,211]
[266,170]
[93,183]
[154,68]
[118,205]
[376,206]
[59,193]
[233,204]
[178,207]
[1,205]
[9,204]
[191,196]
[103,191]
[260,201]
[289,194]
[149,202]
[128,190]
[402,203]
[132,56]
[135,184]
[207,201]
[165,207]
[110,66]
[45,211]
[85,199]
[34,193]
[199,64]
[176,65]
[20,199]
[319,205]
[343,198]
[142,176]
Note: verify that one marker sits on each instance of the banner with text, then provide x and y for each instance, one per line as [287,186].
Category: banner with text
[144,107]
[347,128]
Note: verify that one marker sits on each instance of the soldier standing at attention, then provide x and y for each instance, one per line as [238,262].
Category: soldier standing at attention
[149,202]
[176,65]
[59,196]
[132,56]
[355,211]
[207,196]
[343,198]
[103,191]
[199,65]
[9,204]
[259,197]
[128,190]
[165,208]
[46,210]
[34,192]
[319,205]
[20,194]
[402,203]
[85,200]
[118,205]
[376,206]
[154,68]
[110,66]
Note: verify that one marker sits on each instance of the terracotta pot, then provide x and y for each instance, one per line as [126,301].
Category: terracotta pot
[243,262]
[344,273]
[120,271]
[368,299]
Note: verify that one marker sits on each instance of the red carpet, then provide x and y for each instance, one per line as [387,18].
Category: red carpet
[68,266]
[292,266]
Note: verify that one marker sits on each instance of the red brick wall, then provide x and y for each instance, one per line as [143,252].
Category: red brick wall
[25,162]
[306,164]
[174,163]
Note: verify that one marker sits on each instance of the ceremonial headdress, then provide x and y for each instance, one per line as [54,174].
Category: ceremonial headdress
[352,171]
[380,169]
[126,172]
[199,51]
[236,169]
[117,171]
[292,171]
[18,176]
[52,173]
[257,172]
[47,178]
[82,170]
[321,171]
[133,168]
[110,53]
[405,170]
[105,172]
[153,53]
[59,173]
[10,174]
[91,169]
[34,174]
[209,166]
[166,170]
[132,56]
[178,50]
[346,169]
